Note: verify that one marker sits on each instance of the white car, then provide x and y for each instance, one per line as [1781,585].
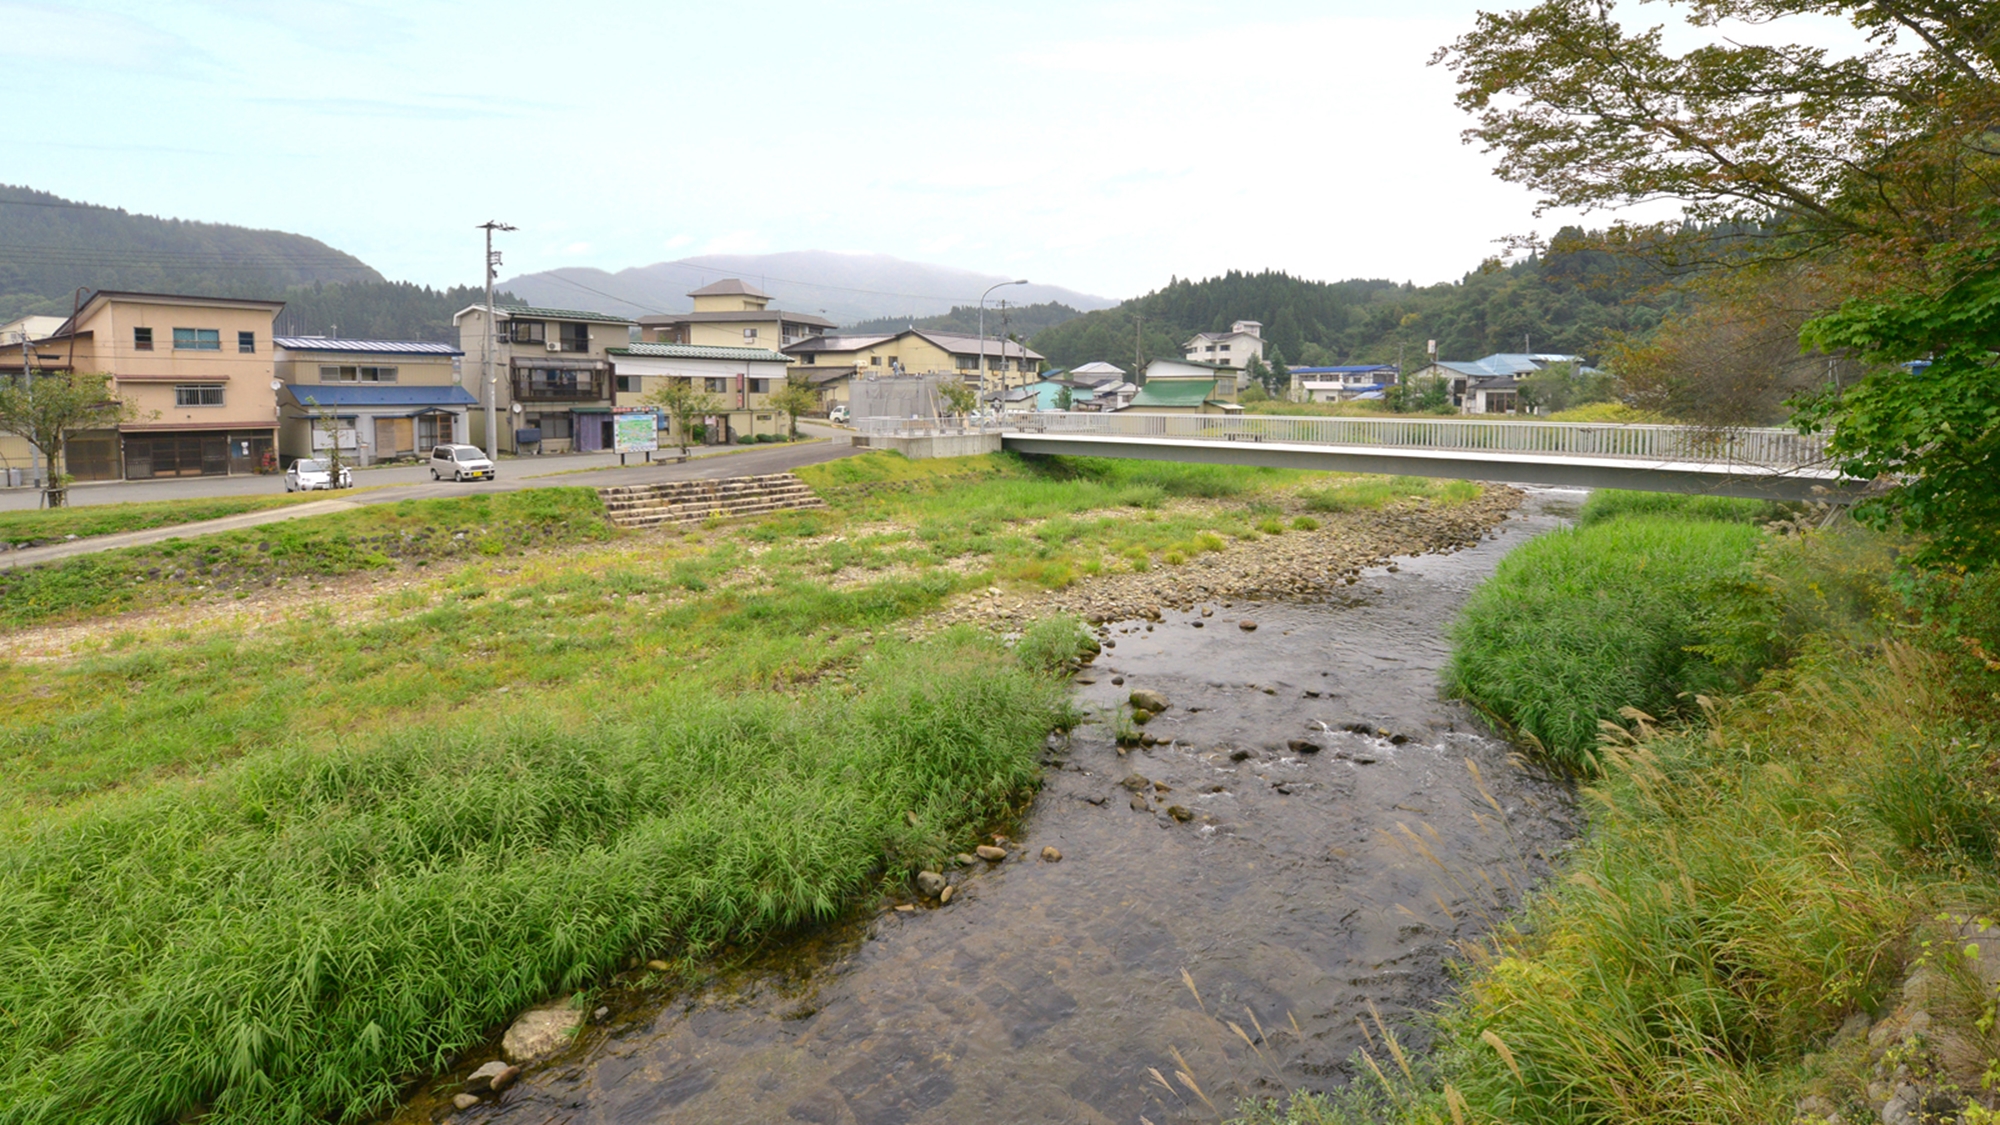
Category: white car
[308,474]
[460,462]
[838,413]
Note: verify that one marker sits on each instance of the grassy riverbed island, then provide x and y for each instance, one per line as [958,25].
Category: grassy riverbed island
[1782,909]
[291,817]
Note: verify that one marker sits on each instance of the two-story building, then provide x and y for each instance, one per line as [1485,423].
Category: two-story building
[732,314]
[739,381]
[388,398]
[831,362]
[195,372]
[1490,385]
[552,363]
[1233,349]
[1179,386]
[1341,384]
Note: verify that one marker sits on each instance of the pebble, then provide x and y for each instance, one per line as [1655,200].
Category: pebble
[495,1076]
[931,883]
[990,853]
[658,966]
[1051,855]
[465,1101]
[1146,699]
[906,908]
[945,895]
[1135,781]
[1239,754]
[1247,626]
[963,859]
[1139,802]
[1117,680]
[1180,813]
[1302,746]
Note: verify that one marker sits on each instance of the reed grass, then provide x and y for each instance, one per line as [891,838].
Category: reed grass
[1579,624]
[1611,503]
[279,940]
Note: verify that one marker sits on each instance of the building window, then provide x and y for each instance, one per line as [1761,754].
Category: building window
[749,335]
[874,361]
[574,337]
[198,394]
[357,374]
[198,339]
[968,363]
[527,331]
[556,427]
[760,386]
[1225,347]
[808,359]
[142,339]
[627,384]
[717,386]
[246,341]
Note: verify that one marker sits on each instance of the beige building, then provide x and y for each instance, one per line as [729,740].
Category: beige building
[553,364]
[740,380]
[732,314]
[914,351]
[389,398]
[197,373]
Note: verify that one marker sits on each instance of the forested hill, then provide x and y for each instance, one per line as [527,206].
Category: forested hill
[1562,302]
[1020,322]
[50,247]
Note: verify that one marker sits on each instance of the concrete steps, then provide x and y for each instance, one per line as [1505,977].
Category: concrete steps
[692,501]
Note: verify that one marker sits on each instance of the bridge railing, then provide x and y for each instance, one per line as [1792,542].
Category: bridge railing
[1765,447]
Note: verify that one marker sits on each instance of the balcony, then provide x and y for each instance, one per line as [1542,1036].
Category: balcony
[542,384]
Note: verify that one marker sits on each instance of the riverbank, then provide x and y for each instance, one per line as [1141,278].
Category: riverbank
[446,748]
[1781,911]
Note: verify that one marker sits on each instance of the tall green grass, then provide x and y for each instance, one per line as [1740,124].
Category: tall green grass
[1610,503]
[1580,623]
[281,940]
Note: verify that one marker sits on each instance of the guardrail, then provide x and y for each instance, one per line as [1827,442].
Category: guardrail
[928,427]
[1767,448]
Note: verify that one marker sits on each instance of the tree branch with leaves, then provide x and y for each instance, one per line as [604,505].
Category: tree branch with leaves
[678,399]
[46,408]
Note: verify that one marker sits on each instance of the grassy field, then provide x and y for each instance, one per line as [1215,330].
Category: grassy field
[265,867]
[1751,880]
[109,519]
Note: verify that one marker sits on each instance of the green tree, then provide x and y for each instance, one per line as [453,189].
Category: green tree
[1258,372]
[1560,386]
[1278,378]
[46,407]
[795,398]
[678,399]
[1064,399]
[326,424]
[958,398]
[1928,415]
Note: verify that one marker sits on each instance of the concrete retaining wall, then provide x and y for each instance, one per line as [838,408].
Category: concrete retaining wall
[932,445]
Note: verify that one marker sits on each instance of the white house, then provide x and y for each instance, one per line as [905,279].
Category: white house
[1233,348]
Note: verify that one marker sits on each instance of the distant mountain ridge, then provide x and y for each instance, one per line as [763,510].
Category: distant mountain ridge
[845,288]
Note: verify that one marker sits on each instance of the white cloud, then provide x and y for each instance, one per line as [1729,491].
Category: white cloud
[51,32]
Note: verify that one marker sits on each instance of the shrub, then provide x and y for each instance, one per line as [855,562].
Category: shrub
[1054,643]
[1579,623]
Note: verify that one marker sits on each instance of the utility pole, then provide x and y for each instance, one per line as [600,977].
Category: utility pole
[28,386]
[486,345]
[982,330]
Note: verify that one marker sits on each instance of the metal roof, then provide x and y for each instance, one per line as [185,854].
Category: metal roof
[530,312]
[1174,392]
[378,394]
[734,315]
[958,344]
[837,343]
[729,287]
[697,351]
[380,347]
[1352,369]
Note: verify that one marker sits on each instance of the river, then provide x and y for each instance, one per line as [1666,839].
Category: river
[1301,894]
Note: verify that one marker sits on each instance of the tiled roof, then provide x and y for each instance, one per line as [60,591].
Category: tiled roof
[531,312]
[697,351]
[375,394]
[958,344]
[379,347]
[734,315]
[729,287]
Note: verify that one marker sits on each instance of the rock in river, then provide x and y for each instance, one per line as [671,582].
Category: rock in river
[1302,746]
[495,1076]
[1247,626]
[1051,855]
[990,853]
[1136,782]
[465,1101]
[540,1032]
[1180,812]
[931,883]
[1146,699]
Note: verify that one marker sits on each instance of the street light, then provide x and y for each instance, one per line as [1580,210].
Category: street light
[982,328]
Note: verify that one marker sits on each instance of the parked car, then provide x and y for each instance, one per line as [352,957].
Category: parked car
[837,414]
[460,462]
[308,474]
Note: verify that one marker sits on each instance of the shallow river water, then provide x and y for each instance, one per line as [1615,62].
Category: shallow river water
[1304,888]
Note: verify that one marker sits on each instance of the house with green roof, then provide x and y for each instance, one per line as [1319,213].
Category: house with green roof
[551,373]
[1185,386]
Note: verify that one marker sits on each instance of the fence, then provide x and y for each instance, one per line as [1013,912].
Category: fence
[1768,448]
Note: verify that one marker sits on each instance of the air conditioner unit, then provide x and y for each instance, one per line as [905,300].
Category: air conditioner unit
[555,345]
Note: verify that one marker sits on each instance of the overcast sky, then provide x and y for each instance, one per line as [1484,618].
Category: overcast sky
[1101,146]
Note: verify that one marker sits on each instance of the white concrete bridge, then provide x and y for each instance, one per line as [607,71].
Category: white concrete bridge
[1771,464]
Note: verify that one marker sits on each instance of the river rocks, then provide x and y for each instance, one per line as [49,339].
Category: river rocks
[991,854]
[1241,754]
[659,966]
[1117,680]
[495,1076]
[465,1101]
[945,895]
[1136,782]
[1146,699]
[1180,813]
[1247,625]
[931,883]
[1139,803]
[1302,746]
[1051,855]
[541,1032]
[963,859]
[1141,716]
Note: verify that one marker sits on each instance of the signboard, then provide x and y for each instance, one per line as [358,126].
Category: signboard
[634,431]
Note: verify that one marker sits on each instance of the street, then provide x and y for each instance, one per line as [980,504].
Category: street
[404,482]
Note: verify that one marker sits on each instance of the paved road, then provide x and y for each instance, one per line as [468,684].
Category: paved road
[415,480]
[754,461]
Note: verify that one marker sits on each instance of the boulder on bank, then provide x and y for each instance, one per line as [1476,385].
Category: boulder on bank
[541,1032]
[930,883]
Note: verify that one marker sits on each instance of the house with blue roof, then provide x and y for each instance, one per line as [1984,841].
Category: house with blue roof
[1341,384]
[387,398]
[1492,385]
